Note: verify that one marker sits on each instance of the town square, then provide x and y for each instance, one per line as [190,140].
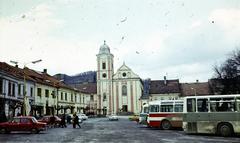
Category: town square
[119,71]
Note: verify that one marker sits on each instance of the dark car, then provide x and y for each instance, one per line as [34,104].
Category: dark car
[50,120]
[22,123]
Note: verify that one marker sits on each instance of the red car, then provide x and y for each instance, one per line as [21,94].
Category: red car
[22,123]
[50,120]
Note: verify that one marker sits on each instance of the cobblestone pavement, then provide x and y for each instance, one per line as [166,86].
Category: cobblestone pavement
[102,130]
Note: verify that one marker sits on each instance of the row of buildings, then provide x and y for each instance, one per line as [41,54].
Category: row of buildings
[45,94]
[108,92]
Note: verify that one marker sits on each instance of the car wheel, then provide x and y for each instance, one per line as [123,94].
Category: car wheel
[166,125]
[3,131]
[225,130]
[34,131]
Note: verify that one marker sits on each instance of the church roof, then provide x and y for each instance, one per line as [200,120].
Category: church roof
[127,70]
[104,49]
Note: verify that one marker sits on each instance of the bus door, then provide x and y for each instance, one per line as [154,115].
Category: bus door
[203,116]
[191,116]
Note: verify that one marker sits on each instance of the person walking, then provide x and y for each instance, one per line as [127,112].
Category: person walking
[77,121]
[74,120]
[63,122]
[52,121]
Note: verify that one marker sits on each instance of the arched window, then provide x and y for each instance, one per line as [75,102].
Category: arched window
[124,90]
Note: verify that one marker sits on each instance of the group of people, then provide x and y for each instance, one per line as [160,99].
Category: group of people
[75,121]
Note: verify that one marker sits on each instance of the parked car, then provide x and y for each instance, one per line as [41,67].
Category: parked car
[113,117]
[82,116]
[51,120]
[22,123]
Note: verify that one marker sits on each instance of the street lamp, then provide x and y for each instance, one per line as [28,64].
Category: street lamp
[25,100]
[195,91]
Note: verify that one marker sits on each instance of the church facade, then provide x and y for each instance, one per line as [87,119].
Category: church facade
[118,92]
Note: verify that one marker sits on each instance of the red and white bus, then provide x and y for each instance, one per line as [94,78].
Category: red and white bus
[165,114]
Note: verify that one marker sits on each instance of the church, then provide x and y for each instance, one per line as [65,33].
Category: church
[118,92]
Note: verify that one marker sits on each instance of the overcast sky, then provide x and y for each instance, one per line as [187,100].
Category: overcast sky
[178,39]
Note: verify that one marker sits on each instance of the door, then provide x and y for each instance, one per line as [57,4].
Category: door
[14,125]
[26,124]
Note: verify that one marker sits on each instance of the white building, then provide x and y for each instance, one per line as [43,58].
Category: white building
[119,92]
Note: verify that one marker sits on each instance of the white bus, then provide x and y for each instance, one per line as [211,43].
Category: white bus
[165,114]
[216,114]
[143,115]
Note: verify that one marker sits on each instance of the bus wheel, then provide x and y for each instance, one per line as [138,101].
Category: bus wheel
[225,130]
[166,125]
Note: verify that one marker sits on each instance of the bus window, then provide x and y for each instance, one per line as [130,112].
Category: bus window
[154,108]
[222,105]
[178,108]
[214,104]
[191,105]
[202,105]
[227,105]
[166,108]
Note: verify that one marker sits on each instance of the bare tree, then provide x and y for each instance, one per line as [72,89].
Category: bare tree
[229,73]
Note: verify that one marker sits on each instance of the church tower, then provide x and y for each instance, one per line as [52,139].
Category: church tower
[105,73]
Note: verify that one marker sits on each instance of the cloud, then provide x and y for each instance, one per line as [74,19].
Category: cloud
[25,36]
[195,24]
[227,19]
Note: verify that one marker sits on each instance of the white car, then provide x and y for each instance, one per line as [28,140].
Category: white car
[71,117]
[113,117]
[82,116]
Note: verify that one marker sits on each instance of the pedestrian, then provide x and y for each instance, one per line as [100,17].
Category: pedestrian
[63,122]
[69,119]
[74,121]
[77,121]
[52,121]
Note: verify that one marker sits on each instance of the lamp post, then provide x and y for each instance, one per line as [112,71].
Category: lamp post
[25,99]
[195,92]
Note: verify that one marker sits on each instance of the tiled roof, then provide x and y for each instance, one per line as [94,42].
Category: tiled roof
[39,77]
[159,86]
[201,88]
[90,88]
[14,71]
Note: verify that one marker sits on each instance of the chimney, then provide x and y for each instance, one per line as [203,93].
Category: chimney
[44,70]
[165,80]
